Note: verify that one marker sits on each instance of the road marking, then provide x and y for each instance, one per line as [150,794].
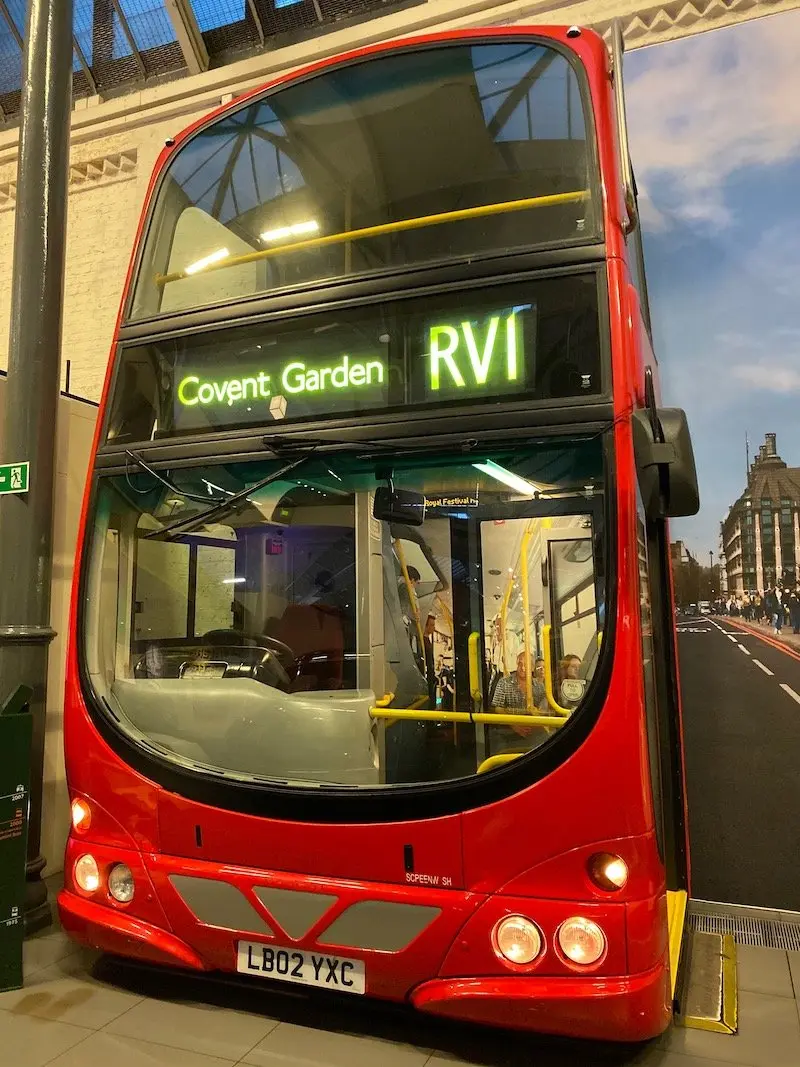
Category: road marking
[788,689]
[745,650]
[766,670]
[731,637]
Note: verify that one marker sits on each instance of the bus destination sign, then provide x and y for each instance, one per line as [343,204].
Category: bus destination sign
[323,372]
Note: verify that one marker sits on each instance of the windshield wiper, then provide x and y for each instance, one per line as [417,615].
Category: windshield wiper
[169,532]
[173,488]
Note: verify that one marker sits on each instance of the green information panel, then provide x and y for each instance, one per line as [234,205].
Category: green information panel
[15,755]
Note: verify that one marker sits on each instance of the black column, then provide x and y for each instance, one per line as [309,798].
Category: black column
[32,389]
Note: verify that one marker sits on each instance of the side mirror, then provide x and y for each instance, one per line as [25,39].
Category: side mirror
[398,506]
[665,463]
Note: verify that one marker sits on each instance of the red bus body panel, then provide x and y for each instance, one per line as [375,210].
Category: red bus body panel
[525,854]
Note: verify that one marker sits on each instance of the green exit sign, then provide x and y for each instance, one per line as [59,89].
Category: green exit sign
[14,478]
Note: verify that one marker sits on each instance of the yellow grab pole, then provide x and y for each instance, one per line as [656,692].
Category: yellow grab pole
[475,686]
[382,229]
[548,673]
[492,718]
[498,761]
[526,616]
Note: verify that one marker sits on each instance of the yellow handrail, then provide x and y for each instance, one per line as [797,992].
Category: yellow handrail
[548,673]
[493,718]
[526,614]
[380,230]
[497,761]
[473,650]
[385,700]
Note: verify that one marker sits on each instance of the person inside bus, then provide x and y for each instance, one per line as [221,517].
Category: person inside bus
[569,667]
[447,686]
[511,695]
[430,662]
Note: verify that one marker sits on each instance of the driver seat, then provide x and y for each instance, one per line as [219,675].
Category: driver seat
[315,634]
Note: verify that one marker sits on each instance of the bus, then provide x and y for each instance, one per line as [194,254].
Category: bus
[372,684]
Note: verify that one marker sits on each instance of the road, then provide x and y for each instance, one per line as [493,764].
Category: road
[741,711]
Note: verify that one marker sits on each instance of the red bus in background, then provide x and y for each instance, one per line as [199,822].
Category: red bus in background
[372,683]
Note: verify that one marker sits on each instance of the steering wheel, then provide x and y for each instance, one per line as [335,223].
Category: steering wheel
[258,640]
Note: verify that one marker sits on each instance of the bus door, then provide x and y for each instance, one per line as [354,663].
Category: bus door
[541,607]
[571,615]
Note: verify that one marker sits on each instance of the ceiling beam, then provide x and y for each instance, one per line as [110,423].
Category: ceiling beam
[190,39]
[11,24]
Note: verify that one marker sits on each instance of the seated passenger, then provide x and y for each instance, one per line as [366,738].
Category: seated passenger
[511,695]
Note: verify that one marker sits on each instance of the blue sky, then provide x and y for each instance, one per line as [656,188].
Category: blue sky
[715,139]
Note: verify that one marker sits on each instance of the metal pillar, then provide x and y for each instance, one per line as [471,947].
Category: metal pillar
[31,406]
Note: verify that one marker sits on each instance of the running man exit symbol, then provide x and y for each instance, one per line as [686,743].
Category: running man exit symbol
[14,478]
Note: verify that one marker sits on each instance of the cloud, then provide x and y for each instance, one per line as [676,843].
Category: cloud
[770,375]
[701,111]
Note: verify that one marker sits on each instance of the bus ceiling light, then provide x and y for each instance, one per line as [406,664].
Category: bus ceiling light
[283,233]
[507,477]
[581,940]
[81,816]
[87,875]
[517,939]
[120,883]
[207,261]
[608,872]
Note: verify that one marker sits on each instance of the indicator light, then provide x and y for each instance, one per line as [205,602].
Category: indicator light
[608,871]
[81,816]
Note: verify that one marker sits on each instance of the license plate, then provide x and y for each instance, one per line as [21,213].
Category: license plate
[306,968]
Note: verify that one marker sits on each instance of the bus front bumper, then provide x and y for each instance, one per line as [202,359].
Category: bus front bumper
[633,1008]
[112,931]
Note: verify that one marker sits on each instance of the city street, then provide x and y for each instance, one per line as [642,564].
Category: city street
[741,710]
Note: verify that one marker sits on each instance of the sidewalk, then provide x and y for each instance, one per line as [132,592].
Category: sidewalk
[786,637]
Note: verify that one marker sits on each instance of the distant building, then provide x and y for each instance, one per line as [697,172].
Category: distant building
[761,533]
[680,553]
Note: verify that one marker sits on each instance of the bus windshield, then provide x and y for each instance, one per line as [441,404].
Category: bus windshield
[355,619]
[337,175]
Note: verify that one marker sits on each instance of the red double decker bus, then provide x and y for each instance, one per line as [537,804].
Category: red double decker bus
[372,682]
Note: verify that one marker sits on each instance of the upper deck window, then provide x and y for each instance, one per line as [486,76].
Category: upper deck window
[401,160]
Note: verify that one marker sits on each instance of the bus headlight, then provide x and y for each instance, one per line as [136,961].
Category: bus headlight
[87,876]
[581,940]
[517,939]
[120,883]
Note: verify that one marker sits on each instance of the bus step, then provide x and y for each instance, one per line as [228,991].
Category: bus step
[708,995]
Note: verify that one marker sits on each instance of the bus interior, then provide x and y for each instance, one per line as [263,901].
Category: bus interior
[304,637]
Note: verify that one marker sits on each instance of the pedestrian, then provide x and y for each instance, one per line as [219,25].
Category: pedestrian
[774,608]
[794,610]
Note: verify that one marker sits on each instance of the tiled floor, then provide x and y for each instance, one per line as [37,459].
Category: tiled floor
[77,1010]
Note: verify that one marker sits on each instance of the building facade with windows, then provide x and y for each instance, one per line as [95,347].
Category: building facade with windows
[761,534]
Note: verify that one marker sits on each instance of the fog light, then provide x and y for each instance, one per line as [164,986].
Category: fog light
[87,876]
[120,883]
[581,940]
[609,872]
[517,939]
[81,816]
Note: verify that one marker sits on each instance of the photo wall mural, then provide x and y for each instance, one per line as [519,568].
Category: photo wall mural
[715,139]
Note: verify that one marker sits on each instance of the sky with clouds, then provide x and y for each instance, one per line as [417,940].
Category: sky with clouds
[715,139]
